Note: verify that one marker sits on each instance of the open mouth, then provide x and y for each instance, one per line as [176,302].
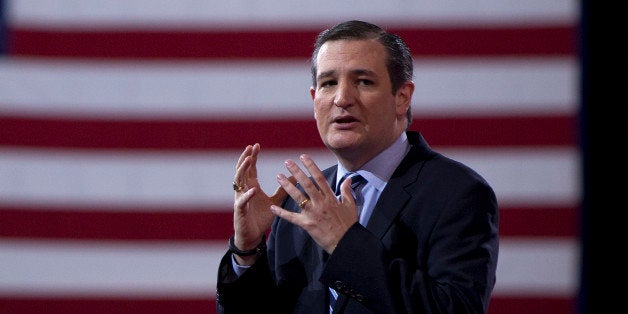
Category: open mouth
[343,120]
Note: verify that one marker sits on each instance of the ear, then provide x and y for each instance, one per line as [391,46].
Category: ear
[312,92]
[403,98]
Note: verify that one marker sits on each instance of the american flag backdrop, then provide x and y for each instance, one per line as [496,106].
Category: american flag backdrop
[121,122]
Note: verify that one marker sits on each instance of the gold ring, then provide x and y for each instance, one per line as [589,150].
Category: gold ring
[303,202]
[237,187]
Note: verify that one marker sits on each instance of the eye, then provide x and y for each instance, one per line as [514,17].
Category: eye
[327,83]
[365,82]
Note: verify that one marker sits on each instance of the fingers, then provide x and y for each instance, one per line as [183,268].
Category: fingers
[240,202]
[285,214]
[290,187]
[254,153]
[316,192]
[319,183]
[301,177]
[247,152]
[239,181]
[316,174]
[246,167]
[280,192]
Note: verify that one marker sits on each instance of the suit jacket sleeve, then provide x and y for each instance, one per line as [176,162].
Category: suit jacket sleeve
[245,294]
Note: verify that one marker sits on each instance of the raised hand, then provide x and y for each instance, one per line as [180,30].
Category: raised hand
[322,215]
[251,215]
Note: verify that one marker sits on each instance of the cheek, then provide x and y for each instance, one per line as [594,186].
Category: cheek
[319,115]
[320,109]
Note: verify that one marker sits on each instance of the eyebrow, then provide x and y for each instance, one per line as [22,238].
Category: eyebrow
[325,74]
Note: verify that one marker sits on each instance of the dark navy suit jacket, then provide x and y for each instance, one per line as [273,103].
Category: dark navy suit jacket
[430,246]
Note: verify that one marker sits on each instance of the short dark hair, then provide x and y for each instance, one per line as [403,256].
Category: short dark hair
[399,61]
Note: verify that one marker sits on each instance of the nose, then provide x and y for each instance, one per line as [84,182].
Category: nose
[345,95]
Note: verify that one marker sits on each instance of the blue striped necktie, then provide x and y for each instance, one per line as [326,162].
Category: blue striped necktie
[356,181]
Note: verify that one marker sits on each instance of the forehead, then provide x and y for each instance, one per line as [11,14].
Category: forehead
[339,54]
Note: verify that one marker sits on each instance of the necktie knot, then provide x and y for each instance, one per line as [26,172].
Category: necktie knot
[356,181]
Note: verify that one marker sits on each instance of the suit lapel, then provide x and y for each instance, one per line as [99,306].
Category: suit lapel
[396,194]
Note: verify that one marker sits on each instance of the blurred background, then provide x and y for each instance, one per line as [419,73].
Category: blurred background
[121,123]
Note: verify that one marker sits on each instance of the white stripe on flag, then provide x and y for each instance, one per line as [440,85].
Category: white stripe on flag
[527,176]
[170,269]
[213,90]
[285,13]
[530,266]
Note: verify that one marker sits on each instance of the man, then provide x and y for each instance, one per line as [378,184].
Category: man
[426,236]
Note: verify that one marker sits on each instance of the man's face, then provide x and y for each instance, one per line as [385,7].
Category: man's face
[356,113]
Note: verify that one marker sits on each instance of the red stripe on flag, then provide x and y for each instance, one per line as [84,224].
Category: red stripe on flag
[99,224]
[200,43]
[539,221]
[28,305]
[208,134]
[105,305]
[124,224]
[527,305]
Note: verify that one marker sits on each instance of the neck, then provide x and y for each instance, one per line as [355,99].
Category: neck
[355,159]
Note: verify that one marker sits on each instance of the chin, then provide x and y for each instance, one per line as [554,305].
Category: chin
[340,142]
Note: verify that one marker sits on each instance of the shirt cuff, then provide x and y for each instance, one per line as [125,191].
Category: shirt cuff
[239,269]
